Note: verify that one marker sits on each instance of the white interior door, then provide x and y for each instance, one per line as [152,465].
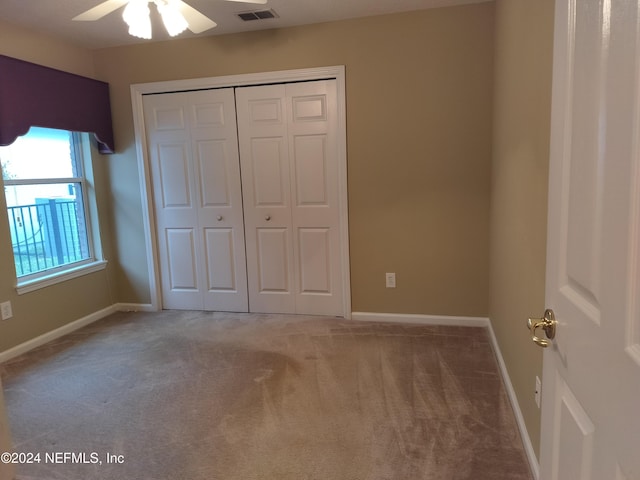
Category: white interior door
[193,152]
[591,377]
[289,161]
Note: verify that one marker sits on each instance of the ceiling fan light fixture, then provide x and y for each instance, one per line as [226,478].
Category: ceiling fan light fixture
[177,16]
[173,20]
[136,15]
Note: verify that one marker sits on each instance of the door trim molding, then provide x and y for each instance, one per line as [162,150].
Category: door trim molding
[282,76]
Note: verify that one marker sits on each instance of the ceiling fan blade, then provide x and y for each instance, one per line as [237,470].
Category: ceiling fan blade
[249,1]
[197,21]
[100,11]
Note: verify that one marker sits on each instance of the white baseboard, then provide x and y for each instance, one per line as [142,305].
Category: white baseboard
[135,307]
[421,319]
[468,322]
[70,327]
[511,393]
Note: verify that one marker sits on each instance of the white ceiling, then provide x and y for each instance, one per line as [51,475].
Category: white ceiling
[54,16]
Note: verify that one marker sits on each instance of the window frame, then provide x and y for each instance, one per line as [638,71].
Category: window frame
[82,151]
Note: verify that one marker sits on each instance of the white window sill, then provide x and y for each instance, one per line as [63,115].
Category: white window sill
[48,280]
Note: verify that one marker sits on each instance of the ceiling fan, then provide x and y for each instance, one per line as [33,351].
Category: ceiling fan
[176,15]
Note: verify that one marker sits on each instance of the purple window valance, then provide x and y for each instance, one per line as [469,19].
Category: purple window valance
[33,95]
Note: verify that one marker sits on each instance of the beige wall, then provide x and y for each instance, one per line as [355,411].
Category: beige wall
[45,50]
[524,37]
[44,310]
[419,106]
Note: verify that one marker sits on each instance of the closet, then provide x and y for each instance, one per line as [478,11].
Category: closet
[245,196]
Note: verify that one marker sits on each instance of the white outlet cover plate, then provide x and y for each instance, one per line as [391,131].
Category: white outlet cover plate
[5,309]
[390,280]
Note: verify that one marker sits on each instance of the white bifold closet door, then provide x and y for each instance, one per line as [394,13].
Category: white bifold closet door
[193,152]
[265,241]
[288,154]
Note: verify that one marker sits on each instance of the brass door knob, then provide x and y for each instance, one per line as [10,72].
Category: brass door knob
[547,324]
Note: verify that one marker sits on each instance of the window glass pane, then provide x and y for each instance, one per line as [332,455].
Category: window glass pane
[41,153]
[47,231]
[46,218]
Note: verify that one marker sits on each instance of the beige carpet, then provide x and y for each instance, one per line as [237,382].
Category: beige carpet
[193,395]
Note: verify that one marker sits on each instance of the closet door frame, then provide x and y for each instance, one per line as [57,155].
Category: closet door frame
[144,171]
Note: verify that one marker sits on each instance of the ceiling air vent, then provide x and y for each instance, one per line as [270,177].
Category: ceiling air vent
[258,15]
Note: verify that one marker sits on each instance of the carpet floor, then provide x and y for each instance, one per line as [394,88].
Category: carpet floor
[217,396]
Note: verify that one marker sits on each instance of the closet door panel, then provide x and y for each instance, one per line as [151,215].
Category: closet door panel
[268,173]
[175,204]
[273,260]
[314,246]
[310,163]
[312,135]
[266,189]
[181,257]
[220,255]
[220,212]
[288,154]
[173,175]
[213,173]
[192,140]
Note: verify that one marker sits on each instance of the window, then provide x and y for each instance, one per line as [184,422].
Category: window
[46,191]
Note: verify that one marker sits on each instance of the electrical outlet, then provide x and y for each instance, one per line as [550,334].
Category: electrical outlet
[538,391]
[390,279]
[5,310]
